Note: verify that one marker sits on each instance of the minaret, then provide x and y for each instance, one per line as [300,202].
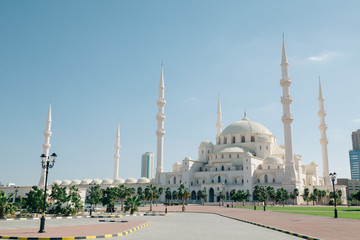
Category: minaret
[160,117]
[117,155]
[287,118]
[219,123]
[46,145]
[323,138]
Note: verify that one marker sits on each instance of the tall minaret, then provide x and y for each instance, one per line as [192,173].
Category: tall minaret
[323,138]
[46,145]
[160,117]
[219,123]
[287,118]
[117,155]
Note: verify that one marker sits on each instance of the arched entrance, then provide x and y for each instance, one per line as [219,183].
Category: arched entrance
[193,195]
[211,195]
[199,195]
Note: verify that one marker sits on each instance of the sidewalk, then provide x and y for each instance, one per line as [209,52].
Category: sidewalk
[314,226]
[75,231]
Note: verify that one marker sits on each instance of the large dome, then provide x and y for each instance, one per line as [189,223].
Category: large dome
[245,126]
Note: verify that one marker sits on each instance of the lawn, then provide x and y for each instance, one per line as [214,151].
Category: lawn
[343,212]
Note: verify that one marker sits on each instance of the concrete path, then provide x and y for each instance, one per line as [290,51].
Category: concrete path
[194,226]
[314,226]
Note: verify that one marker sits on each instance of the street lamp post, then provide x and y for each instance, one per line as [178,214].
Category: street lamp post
[16,191]
[333,178]
[91,186]
[45,163]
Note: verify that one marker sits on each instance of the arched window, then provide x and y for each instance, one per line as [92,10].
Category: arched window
[233,140]
[222,155]
[242,180]
[222,168]
[225,181]
[260,148]
[169,181]
[278,167]
[191,183]
[180,181]
[215,156]
[268,167]
[238,156]
[260,167]
[235,181]
[252,138]
[174,180]
[202,152]
[267,148]
[219,179]
[229,155]
[266,178]
[225,140]
[273,179]
[228,169]
[212,181]
[203,181]
[215,169]
[242,138]
[218,140]
[197,181]
[208,151]
[258,180]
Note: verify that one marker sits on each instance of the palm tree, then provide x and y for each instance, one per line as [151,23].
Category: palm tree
[141,194]
[296,194]
[271,194]
[316,193]
[203,196]
[132,204]
[313,198]
[123,193]
[150,192]
[175,195]
[232,193]
[6,205]
[168,195]
[306,195]
[184,193]
[222,197]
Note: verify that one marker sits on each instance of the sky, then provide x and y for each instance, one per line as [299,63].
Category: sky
[99,62]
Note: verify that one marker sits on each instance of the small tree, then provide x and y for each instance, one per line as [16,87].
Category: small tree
[313,198]
[132,204]
[175,195]
[184,193]
[232,193]
[168,195]
[150,192]
[296,194]
[95,195]
[141,194]
[222,197]
[306,195]
[35,198]
[6,205]
[109,195]
[203,196]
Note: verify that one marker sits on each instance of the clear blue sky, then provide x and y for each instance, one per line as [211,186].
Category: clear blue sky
[99,62]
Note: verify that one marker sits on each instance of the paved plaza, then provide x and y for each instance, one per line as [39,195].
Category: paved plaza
[199,222]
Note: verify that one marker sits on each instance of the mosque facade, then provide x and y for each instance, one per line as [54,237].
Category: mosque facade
[244,154]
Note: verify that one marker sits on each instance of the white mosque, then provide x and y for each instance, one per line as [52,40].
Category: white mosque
[245,154]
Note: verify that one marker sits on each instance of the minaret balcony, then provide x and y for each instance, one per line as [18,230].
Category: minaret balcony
[321,113]
[323,141]
[287,119]
[161,102]
[286,100]
[285,82]
[322,127]
[160,132]
[160,117]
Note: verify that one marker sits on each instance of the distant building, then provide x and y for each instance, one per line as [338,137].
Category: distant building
[148,165]
[352,185]
[354,155]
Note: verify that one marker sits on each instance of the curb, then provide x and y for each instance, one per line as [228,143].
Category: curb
[127,232]
[37,218]
[261,225]
[131,215]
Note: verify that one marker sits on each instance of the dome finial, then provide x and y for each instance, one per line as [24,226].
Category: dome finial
[245,118]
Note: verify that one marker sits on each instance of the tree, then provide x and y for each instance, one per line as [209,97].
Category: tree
[132,204]
[296,194]
[232,193]
[59,197]
[76,204]
[150,192]
[109,195]
[184,193]
[313,198]
[175,195]
[94,195]
[271,194]
[322,195]
[316,193]
[203,196]
[123,193]
[222,197]
[6,205]
[141,194]
[168,195]
[306,195]
[35,200]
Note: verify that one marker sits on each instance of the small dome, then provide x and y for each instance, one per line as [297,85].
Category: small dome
[107,181]
[86,182]
[119,181]
[96,181]
[143,180]
[152,180]
[272,160]
[187,158]
[245,126]
[177,163]
[75,182]
[206,144]
[232,150]
[249,154]
[66,182]
[130,180]
[58,182]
